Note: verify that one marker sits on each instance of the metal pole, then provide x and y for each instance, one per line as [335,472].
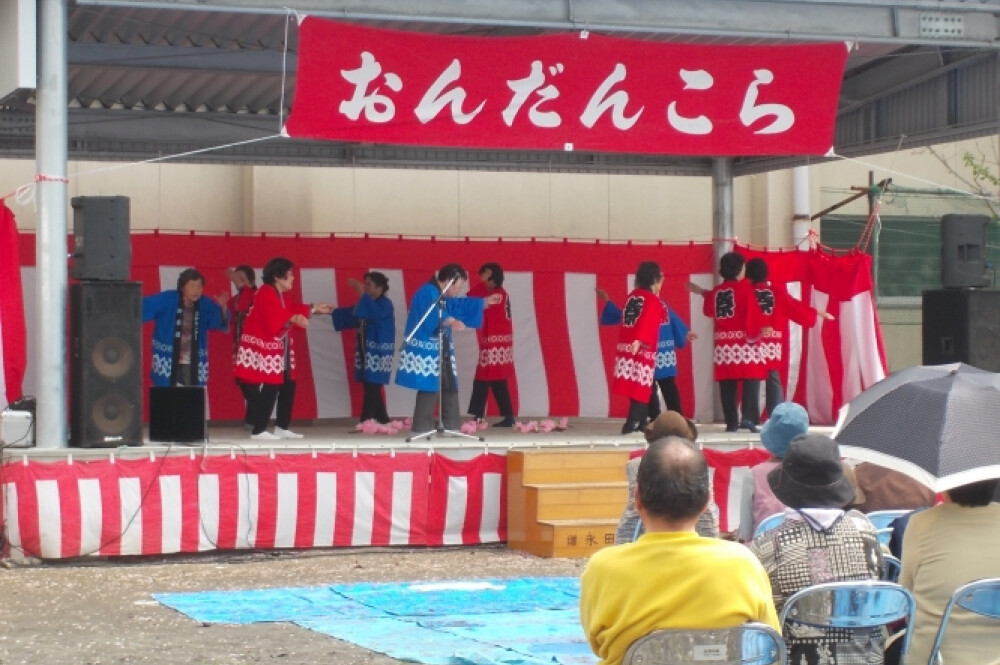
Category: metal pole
[800,207]
[872,198]
[722,206]
[51,119]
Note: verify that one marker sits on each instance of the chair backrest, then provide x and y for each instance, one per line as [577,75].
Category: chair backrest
[881,519]
[861,604]
[981,597]
[640,529]
[768,523]
[748,644]
[892,568]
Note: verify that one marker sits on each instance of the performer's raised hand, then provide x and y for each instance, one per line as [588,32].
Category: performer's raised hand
[454,324]
[602,294]
[695,289]
[322,308]
[356,284]
[237,278]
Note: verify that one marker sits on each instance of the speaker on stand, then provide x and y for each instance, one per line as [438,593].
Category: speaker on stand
[963,251]
[102,248]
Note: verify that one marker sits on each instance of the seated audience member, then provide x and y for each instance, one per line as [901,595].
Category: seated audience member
[787,421]
[668,423]
[819,542]
[944,547]
[670,577]
[898,527]
[886,489]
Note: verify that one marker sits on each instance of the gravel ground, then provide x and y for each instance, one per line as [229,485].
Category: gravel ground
[102,611]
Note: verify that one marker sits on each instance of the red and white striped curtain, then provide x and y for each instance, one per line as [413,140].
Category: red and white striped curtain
[563,358]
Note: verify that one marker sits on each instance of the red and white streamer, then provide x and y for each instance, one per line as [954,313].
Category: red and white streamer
[166,505]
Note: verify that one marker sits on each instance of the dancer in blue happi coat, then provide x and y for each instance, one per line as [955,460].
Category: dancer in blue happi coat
[674,335]
[375,322]
[420,361]
[183,317]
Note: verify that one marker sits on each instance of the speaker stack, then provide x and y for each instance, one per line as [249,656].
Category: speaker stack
[105,328]
[961,322]
[963,251]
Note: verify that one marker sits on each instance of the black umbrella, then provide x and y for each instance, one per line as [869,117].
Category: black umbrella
[938,424]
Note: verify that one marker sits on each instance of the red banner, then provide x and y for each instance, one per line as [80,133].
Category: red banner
[575,91]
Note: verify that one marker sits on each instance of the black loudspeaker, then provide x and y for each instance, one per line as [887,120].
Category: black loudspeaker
[963,251]
[106,367]
[962,325]
[177,414]
[101,245]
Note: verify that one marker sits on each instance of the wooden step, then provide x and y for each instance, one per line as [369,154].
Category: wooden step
[576,500]
[565,503]
[566,465]
[574,539]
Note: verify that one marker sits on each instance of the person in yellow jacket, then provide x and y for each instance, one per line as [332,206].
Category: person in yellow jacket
[670,577]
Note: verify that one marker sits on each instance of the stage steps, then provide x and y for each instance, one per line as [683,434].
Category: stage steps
[565,503]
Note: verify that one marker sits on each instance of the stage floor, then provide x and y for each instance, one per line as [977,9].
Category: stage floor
[340,435]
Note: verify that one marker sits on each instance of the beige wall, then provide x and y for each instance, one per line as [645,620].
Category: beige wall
[390,201]
[474,203]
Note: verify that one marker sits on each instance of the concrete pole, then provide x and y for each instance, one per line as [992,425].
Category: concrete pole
[723,227]
[800,207]
[51,131]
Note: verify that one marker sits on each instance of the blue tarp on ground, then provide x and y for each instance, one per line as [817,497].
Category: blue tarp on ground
[525,621]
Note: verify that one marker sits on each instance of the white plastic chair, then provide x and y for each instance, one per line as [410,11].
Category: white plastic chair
[881,519]
[981,597]
[748,644]
[768,523]
[852,605]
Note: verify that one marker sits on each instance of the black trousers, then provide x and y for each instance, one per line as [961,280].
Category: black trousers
[186,375]
[251,394]
[481,390]
[671,396]
[423,410]
[774,392]
[373,403]
[636,416]
[750,401]
[284,394]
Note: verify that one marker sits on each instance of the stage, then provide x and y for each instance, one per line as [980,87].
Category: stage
[340,435]
[335,487]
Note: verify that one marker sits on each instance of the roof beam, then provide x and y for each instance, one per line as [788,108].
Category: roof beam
[251,139]
[809,20]
[191,58]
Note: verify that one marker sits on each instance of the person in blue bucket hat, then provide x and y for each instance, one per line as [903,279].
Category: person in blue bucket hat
[788,421]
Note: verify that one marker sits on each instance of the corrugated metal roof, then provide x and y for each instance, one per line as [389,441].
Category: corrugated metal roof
[146,79]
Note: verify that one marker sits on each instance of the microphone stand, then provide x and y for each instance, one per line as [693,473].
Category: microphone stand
[438,305]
